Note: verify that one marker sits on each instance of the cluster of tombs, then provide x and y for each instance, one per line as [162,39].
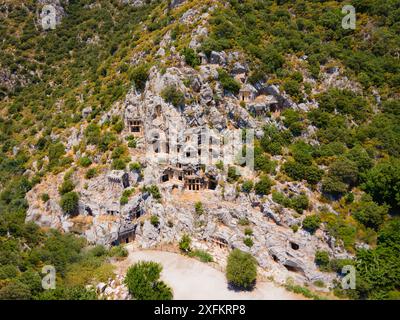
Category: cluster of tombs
[190,177]
[183,156]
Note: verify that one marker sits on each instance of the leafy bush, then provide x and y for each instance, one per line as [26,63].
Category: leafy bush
[241,269]
[154,220]
[172,95]
[15,290]
[232,175]
[67,186]
[247,186]
[263,187]
[227,82]
[322,260]
[191,57]
[370,214]
[153,190]
[139,76]
[219,165]
[244,222]
[118,252]
[91,173]
[198,207]
[202,255]
[248,242]
[142,280]
[298,203]
[383,183]
[118,164]
[311,223]
[45,197]
[69,203]
[124,200]
[92,134]
[85,162]
[184,243]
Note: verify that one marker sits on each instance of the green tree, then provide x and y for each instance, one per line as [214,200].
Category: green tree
[263,186]
[370,214]
[241,269]
[172,95]
[191,57]
[322,260]
[382,182]
[247,186]
[142,280]
[311,223]
[139,76]
[69,203]
[227,82]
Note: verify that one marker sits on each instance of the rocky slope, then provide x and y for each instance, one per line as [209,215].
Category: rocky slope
[127,136]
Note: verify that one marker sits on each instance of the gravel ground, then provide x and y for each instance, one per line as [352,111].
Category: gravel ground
[193,280]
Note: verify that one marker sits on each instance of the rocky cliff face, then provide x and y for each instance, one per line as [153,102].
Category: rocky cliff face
[103,219]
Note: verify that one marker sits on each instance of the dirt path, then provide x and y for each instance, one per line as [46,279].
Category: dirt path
[193,280]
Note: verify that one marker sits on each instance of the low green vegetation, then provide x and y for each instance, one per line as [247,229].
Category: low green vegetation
[172,95]
[296,202]
[198,207]
[155,221]
[302,290]
[153,190]
[184,243]
[311,223]
[202,255]
[70,203]
[142,280]
[263,186]
[228,83]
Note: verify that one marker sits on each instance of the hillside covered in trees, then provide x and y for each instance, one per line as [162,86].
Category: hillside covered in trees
[345,150]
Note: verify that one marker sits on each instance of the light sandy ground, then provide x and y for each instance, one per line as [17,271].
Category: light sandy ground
[193,280]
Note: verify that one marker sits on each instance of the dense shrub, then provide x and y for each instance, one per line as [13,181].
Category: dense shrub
[184,243]
[69,203]
[191,57]
[142,280]
[263,186]
[153,190]
[311,223]
[322,260]
[172,95]
[241,269]
[139,76]
[247,186]
[227,82]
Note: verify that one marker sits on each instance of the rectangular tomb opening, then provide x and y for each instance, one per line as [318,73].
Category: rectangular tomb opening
[135,126]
